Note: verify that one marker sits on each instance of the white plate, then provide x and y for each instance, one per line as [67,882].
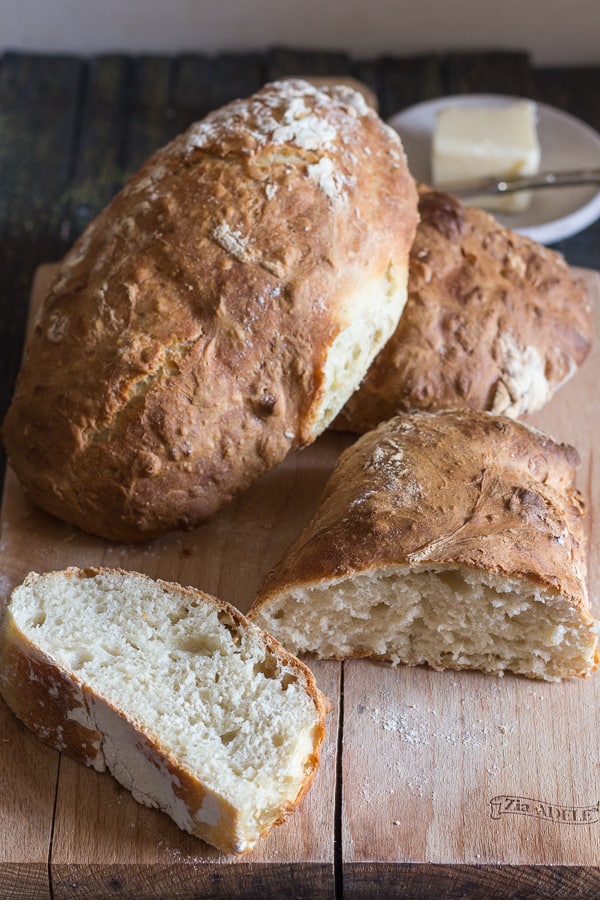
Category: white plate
[565,142]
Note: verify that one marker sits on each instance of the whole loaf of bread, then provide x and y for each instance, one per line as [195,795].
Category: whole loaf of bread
[493,321]
[217,314]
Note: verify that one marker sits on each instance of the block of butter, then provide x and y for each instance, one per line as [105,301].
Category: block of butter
[473,142]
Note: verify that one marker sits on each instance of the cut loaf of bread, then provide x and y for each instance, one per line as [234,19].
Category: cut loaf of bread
[453,539]
[493,321]
[217,314]
[191,707]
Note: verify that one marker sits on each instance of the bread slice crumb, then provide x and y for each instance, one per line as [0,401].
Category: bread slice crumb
[187,704]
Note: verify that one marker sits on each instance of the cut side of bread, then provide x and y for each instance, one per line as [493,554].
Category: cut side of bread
[453,539]
[445,618]
[191,707]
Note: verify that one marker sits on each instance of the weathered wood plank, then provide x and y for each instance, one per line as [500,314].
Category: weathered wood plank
[38,106]
[490,72]
[237,75]
[581,248]
[469,784]
[98,167]
[404,82]
[38,119]
[151,116]
[576,91]
[192,89]
[28,776]
[367,71]
[409,882]
[285,62]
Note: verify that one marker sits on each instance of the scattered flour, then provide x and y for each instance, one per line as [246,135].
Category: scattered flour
[232,241]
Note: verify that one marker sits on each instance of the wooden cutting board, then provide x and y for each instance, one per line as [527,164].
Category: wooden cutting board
[433,785]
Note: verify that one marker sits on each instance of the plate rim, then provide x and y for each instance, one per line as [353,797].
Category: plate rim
[551,230]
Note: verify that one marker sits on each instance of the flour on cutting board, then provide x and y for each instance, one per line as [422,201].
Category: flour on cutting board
[420,727]
[480,733]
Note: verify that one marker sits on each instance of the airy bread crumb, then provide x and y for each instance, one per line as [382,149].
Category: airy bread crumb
[453,539]
[443,617]
[189,706]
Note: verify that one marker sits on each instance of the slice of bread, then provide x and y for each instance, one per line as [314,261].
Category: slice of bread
[190,706]
[454,539]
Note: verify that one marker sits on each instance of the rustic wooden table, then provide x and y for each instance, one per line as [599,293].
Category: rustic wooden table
[71,131]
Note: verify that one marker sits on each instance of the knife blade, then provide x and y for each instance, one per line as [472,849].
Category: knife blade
[502,185]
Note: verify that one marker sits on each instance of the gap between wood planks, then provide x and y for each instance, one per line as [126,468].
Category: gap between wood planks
[338,846]
[51,841]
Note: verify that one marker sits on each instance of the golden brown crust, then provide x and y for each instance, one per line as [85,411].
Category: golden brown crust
[453,488]
[180,352]
[55,705]
[42,695]
[493,321]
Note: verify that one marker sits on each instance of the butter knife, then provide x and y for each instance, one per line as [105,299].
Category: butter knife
[495,185]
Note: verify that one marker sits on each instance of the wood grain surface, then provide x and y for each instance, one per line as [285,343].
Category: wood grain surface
[433,785]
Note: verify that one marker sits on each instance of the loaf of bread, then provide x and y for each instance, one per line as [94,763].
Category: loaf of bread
[453,539]
[217,314]
[493,321]
[190,706]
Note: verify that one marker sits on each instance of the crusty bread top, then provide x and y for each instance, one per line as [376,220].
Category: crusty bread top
[493,321]
[183,347]
[457,488]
